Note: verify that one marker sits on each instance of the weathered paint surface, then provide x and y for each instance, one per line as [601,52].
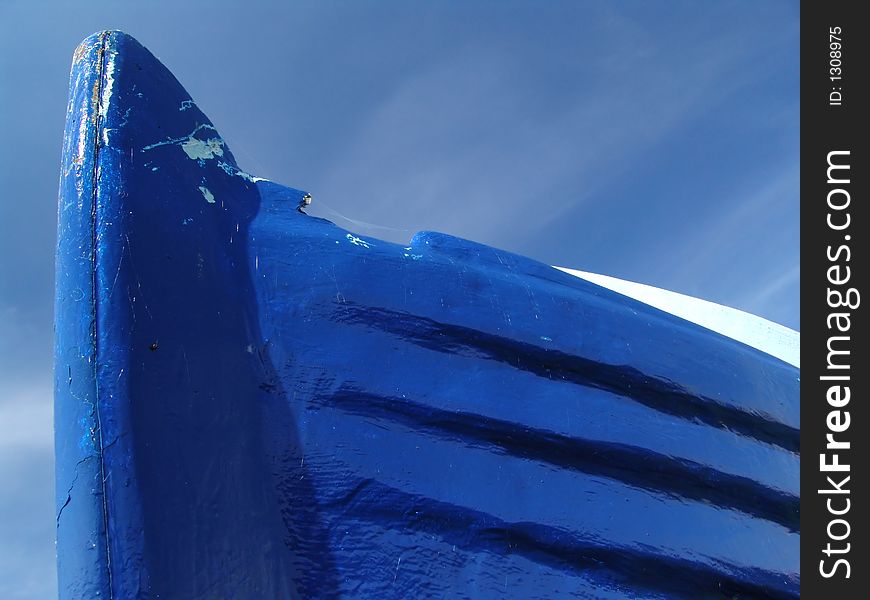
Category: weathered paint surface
[255,403]
[81,533]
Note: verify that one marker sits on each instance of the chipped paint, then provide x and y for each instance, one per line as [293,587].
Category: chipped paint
[126,118]
[82,50]
[186,104]
[83,139]
[106,96]
[357,241]
[109,84]
[248,177]
[206,193]
[195,148]
[234,171]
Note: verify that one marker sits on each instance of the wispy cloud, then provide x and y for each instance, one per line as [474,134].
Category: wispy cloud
[26,502]
[455,147]
[26,458]
[746,251]
[26,414]
[763,296]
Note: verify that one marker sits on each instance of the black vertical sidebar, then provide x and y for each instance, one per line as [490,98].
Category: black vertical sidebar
[835,222]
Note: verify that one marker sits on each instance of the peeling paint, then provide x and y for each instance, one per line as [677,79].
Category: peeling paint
[206,193]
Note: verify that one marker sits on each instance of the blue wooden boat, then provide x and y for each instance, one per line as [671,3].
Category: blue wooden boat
[252,402]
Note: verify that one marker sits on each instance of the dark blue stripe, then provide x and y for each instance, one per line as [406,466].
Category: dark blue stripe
[661,395]
[638,467]
[631,569]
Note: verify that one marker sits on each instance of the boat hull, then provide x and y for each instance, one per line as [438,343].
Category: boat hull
[255,403]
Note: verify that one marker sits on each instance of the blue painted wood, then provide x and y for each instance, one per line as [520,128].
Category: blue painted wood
[255,403]
[81,535]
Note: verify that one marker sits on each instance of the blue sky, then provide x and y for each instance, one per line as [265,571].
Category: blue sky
[653,141]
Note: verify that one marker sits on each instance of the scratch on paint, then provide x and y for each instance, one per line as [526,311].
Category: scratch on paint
[72,486]
[357,241]
[234,171]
